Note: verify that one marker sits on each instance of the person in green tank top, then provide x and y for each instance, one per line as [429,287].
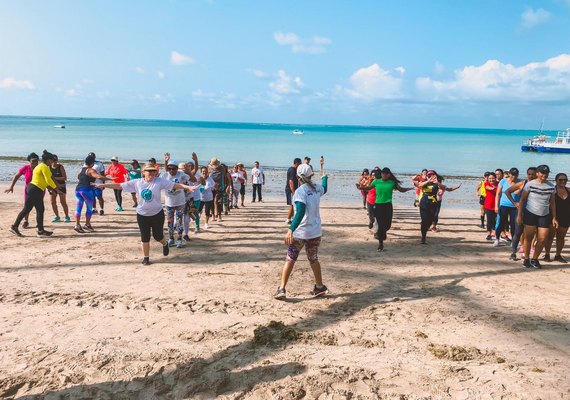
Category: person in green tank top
[385,184]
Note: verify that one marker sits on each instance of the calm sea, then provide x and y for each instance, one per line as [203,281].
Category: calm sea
[451,151]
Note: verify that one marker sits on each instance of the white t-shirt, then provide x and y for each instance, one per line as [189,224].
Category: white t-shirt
[100,169]
[208,194]
[148,194]
[176,197]
[195,195]
[310,226]
[257,175]
[236,176]
[538,200]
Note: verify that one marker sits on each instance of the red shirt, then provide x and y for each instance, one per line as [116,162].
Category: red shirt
[117,172]
[371,196]
[490,197]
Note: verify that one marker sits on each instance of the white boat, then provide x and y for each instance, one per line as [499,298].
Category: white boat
[298,132]
[560,145]
[59,126]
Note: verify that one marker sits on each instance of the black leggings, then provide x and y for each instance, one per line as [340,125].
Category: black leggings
[257,187]
[504,213]
[370,209]
[154,223]
[383,214]
[119,196]
[436,216]
[34,199]
[491,219]
[428,212]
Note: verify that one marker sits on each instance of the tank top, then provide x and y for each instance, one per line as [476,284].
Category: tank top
[562,205]
[429,193]
[56,173]
[84,179]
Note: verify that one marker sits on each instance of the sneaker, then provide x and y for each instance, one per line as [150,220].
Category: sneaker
[521,249]
[496,243]
[197,231]
[26,225]
[489,237]
[423,241]
[370,225]
[513,257]
[526,263]
[95,211]
[179,244]
[288,221]
[119,208]
[186,237]
[504,239]
[560,259]
[67,219]
[101,212]
[88,228]
[546,258]
[281,294]
[236,207]
[206,226]
[13,229]
[78,229]
[135,205]
[535,263]
[171,243]
[380,248]
[56,219]
[44,233]
[145,261]
[316,292]
[482,226]
[165,250]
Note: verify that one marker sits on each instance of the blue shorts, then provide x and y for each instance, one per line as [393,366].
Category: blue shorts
[98,193]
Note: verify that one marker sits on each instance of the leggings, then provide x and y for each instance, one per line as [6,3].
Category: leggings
[235,197]
[491,219]
[438,209]
[517,233]
[119,196]
[34,199]
[84,196]
[172,214]
[257,189]
[154,223]
[370,209]
[428,212]
[383,214]
[504,212]
[194,215]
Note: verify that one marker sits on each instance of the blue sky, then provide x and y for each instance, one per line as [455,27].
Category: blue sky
[486,63]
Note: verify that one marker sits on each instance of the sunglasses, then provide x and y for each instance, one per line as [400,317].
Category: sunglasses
[172,168]
[562,179]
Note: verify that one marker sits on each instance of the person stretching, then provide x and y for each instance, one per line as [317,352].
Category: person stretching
[27,172]
[84,194]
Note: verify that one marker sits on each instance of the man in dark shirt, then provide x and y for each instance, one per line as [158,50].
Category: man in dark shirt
[291,186]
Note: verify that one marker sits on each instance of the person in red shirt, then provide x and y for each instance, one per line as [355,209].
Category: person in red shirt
[491,189]
[118,172]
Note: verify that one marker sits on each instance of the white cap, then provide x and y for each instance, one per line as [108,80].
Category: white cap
[305,170]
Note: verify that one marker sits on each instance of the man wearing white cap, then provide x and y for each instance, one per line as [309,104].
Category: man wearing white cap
[175,201]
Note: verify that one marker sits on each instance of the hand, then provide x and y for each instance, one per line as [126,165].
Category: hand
[516,204]
[166,157]
[289,237]
[555,223]
[497,210]
[194,156]
[519,220]
[9,190]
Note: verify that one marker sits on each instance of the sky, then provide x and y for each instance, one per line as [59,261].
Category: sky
[480,64]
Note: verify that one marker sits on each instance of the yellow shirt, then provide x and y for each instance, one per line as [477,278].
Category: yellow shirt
[42,177]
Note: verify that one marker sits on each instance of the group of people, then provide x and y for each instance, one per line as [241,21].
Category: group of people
[533,210]
[377,188]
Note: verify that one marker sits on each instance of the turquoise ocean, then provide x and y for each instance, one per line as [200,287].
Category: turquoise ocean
[406,150]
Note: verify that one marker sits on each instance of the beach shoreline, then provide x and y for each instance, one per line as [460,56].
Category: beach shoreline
[454,319]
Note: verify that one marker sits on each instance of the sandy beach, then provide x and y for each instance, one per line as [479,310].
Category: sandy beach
[80,318]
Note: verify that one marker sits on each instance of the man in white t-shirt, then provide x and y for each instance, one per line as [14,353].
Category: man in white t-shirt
[175,201]
[237,181]
[258,180]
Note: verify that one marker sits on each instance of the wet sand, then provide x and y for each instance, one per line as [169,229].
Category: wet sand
[81,318]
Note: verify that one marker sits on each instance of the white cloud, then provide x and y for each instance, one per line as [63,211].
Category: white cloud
[139,70]
[285,84]
[439,68]
[495,81]
[177,58]
[531,18]
[374,83]
[71,93]
[258,73]
[219,100]
[314,45]
[9,82]
[161,75]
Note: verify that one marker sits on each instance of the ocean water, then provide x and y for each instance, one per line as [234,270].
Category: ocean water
[406,150]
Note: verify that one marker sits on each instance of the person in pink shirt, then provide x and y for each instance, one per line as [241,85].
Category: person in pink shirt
[26,171]
[118,172]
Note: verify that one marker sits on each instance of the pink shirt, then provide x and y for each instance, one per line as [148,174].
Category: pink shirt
[26,170]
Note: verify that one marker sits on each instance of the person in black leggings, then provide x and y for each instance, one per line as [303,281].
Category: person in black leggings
[562,200]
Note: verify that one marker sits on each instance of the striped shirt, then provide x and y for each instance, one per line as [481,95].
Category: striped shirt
[538,200]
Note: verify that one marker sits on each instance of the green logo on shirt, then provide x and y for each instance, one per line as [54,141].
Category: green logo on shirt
[146,194]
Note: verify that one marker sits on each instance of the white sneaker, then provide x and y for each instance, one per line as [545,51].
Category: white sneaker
[179,244]
[206,226]
[171,242]
[496,243]
[288,221]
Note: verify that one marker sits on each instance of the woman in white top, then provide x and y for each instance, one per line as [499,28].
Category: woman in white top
[305,230]
[150,214]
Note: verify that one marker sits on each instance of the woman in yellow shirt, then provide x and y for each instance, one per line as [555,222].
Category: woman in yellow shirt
[41,180]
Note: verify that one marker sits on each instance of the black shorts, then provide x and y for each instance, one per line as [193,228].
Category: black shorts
[541,221]
[209,205]
[289,197]
[564,220]
[154,223]
[482,200]
[242,190]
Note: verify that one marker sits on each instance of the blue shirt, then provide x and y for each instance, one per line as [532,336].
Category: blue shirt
[504,185]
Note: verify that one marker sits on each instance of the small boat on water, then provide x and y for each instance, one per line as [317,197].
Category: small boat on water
[540,143]
[298,132]
[59,126]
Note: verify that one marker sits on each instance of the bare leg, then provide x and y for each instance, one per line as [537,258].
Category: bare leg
[549,240]
[529,232]
[541,238]
[63,199]
[145,248]
[291,212]
[286,273]
[53,198]
[316,267]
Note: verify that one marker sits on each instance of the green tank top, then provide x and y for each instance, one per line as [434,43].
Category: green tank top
[384,190]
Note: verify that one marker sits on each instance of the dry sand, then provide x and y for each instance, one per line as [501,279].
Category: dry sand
[80,318]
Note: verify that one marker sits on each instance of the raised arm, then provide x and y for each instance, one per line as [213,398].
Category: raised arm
[195,159]
[166,160]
